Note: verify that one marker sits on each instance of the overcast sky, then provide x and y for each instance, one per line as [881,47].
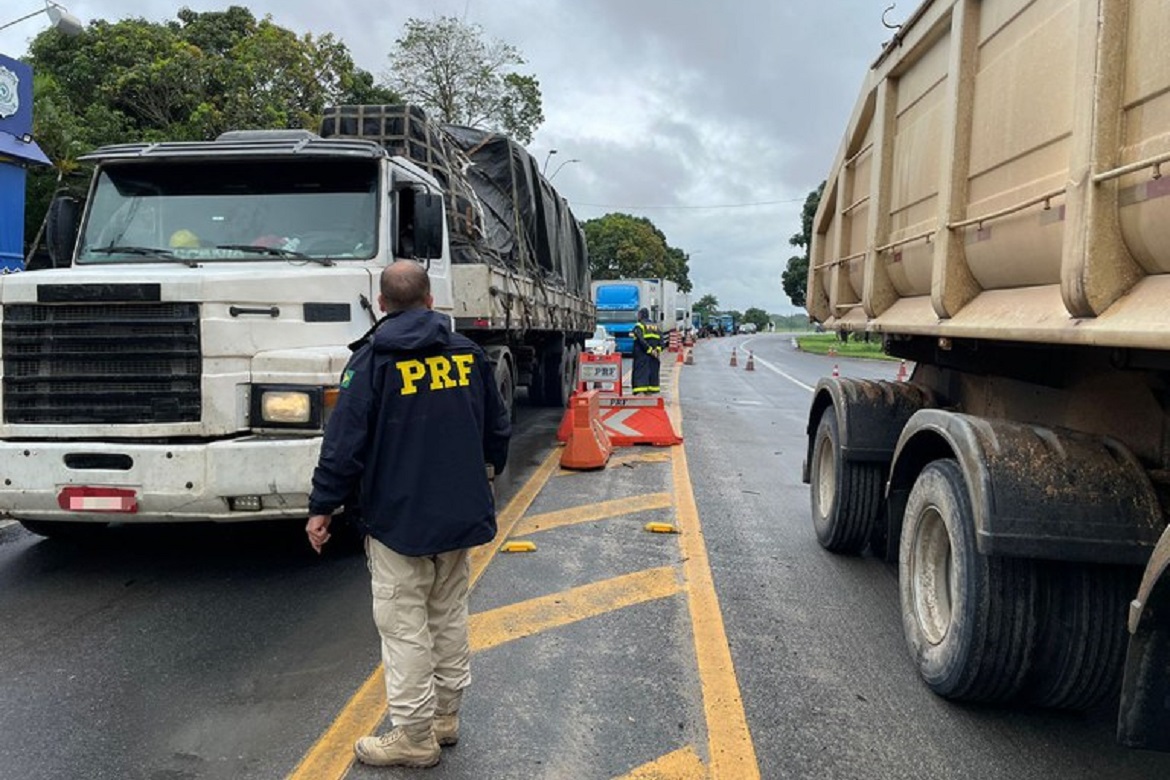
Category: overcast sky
[712,118]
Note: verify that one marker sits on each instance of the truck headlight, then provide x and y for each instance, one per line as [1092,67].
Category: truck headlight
[285,406]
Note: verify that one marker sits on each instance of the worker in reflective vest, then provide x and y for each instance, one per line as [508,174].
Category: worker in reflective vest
[647,351]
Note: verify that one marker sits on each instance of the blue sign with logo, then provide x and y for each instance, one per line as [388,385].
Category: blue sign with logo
[16,97]
[16,114]
[17,151]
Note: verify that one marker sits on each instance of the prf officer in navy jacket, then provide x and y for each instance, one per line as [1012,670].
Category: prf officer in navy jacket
[417,419]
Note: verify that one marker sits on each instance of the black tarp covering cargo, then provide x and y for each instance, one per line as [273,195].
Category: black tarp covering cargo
[500,209]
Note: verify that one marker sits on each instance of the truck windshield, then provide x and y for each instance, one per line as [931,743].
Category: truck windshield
[250,210]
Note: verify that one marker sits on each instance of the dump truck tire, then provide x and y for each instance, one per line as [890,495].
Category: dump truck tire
[970,620]
[846,496]
[1080,652]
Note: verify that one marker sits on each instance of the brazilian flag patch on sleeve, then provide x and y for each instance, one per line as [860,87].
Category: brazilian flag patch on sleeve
[346,378]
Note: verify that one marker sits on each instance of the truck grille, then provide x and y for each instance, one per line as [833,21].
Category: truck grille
[101,363]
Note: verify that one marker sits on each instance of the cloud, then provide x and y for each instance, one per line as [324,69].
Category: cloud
[682,111]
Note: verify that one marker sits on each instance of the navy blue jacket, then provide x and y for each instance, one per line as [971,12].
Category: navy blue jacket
[417,418]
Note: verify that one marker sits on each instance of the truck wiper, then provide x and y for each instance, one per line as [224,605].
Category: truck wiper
[145,251]
[275,251]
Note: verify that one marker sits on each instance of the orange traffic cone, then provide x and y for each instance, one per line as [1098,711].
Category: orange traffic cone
[836,371]
[734,362]
[690,361]
[751,364]
[902,373]
[588,446]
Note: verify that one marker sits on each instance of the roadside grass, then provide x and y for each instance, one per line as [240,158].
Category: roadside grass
[820,343]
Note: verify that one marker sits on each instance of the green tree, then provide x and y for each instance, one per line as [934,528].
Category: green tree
[679,265]
[188,79]
[757,317]
[795,276]
[622,246]
[706,306]
[448,67]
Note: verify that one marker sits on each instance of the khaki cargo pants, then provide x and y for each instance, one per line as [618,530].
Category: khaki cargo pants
[420,609]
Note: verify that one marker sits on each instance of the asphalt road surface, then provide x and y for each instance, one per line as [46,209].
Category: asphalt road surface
[234,652]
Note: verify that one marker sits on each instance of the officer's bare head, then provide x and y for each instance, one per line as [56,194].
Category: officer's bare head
[405,285]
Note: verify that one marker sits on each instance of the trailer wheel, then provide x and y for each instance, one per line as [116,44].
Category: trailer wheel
[1082,641]
[558,373]
[569,373]
[537,385]
[846,496]
[969,619]
[506,384]
[65,530]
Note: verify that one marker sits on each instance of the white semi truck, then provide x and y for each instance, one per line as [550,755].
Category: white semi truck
[182,360]
[683,315]
[998,214]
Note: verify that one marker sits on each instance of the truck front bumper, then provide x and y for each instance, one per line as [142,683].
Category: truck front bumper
[192,482]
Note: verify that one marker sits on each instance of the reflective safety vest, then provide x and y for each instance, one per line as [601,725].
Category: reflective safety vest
[650,334]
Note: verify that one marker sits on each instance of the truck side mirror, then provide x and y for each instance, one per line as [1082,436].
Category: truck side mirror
[61,229]
[428,226]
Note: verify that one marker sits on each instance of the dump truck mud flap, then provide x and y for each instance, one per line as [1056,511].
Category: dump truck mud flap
[1144,717]
[870,416]
[1036,492]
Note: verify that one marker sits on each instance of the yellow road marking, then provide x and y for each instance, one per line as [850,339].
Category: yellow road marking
[332,755]
[633,459]
[506,521]
[516,621]
[590,512]
[731,754]
[682,764]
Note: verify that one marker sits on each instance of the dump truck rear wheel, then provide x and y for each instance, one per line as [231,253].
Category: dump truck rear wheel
[969,619]
[846,496]
[1082,642]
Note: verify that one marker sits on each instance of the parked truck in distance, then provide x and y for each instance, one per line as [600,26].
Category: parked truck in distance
[997,214]
[618,301]
[683,315]
[182,360]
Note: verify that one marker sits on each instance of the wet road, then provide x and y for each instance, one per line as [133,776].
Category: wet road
[228,652]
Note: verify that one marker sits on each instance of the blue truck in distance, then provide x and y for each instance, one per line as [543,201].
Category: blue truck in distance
[618,301]
[726,324]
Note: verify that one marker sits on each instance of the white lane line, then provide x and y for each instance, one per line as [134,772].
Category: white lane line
[784,374]
[773,368]
[6,523]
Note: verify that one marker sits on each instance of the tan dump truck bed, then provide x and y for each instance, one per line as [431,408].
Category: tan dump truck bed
[1001,178]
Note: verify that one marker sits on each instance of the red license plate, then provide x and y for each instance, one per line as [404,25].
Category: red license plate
[98,499]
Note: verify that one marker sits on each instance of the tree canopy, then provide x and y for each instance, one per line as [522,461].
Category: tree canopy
[757,317]
[622,246]
[706,306]
[203,74]
[448,67]
[795,276]
[188,79]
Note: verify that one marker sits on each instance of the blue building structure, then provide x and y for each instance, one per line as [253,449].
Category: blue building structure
[18,151]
